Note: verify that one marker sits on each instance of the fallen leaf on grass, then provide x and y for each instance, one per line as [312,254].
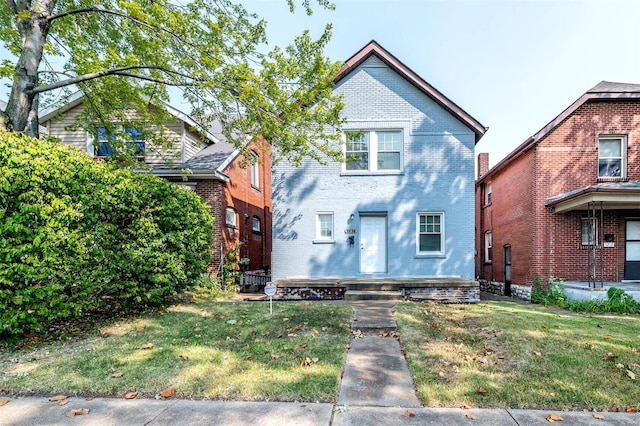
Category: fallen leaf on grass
[117,374]
[631,375]
[409,413]
[275,356]
[147,346]
[168,393]
[620,365]
[314,332]
[608,336]
[554,418]
[303,345]
[482,390]
[466,407]
[57,398]
[184,357]
[536,353]
[598,416]
[4,402]
[131,395]
[90,398]
[140,329]
[609,356]
[78,412]
[631,409]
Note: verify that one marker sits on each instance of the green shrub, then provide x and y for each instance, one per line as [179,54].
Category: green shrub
[78,235]
[618,301]
[553,295]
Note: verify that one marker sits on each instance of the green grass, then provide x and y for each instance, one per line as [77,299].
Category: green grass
[503,354]
[205,349]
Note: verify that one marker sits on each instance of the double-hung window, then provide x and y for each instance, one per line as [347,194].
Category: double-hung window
[324,227]
[430,233]
[611,157]
[488,247]
[373,151]
[589,232]
[255,225]
[255,170]
[231,217]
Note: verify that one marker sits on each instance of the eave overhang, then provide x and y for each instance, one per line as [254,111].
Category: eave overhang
[624,196]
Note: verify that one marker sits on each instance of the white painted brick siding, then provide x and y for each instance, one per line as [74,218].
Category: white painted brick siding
[438,176]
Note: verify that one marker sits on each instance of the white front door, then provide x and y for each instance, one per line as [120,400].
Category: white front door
[373,244]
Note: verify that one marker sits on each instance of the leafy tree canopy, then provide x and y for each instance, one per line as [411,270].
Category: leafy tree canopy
[125,54]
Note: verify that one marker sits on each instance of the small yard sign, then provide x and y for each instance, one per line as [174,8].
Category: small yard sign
[270,290]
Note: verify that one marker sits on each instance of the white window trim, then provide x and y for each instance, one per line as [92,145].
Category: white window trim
[623,154]
[442,251]
[319,239]
[373,151]
[254,220]
[235,217]
[488,245]
[255,170]
[487,195]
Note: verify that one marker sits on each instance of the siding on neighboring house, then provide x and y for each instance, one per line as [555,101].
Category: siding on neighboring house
[436,177]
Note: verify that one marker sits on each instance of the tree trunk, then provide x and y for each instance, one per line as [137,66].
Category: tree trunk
[34,30]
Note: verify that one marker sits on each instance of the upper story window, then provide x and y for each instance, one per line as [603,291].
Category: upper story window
[487,194]
[255,170]
[135,142]
[231,217]
[611,157]
[430,233]
[373,151]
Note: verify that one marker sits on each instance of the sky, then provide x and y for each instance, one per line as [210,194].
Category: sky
[514,65]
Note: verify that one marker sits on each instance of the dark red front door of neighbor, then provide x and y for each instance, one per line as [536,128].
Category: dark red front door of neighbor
[632,251]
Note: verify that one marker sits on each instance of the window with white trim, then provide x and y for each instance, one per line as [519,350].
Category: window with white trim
[487,194]
[430,233]
[588,231]
[488,247]
[611,157]
[373,151]
[324,226]
[255,170]
[255,225]
[231,217]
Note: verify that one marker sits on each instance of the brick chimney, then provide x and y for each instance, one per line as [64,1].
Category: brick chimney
[483,164]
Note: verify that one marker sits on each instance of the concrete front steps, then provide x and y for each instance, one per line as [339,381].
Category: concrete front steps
[353,295]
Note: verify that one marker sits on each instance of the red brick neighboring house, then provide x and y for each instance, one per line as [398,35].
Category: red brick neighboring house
[566,202]
[239,197]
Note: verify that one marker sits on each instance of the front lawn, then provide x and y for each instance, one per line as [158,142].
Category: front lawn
[205,349]
[505,354]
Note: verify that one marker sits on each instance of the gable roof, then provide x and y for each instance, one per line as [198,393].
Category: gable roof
[78,97]
[373,48]
[605,91]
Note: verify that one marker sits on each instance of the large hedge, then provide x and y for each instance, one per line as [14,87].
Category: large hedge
[78,235]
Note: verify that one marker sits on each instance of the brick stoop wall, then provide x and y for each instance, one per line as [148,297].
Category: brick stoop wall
[517,291]
[438,290]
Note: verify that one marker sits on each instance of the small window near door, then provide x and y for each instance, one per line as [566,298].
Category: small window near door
[430,233]
[589,232]
[488,247]
[255,226]
[324,227]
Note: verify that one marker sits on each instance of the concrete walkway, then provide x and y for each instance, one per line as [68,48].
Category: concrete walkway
[376,389]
